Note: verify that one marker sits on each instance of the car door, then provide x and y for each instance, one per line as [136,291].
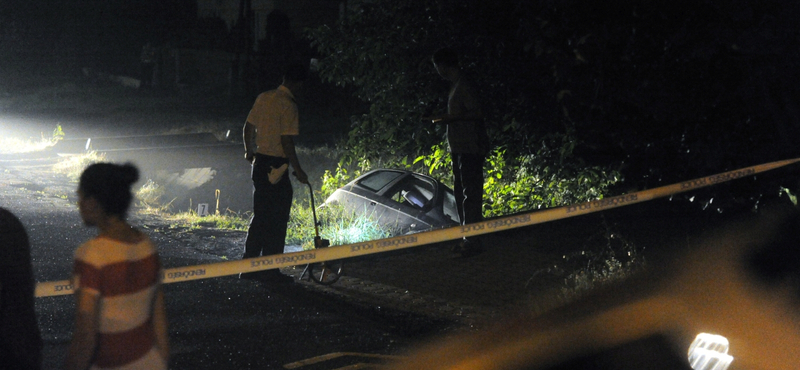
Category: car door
[371,195]
[409,199]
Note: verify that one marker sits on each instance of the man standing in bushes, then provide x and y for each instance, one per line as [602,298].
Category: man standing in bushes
[468,142]
[269,146]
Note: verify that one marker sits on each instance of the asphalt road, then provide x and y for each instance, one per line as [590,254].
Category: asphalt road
[222,323]
[384,304]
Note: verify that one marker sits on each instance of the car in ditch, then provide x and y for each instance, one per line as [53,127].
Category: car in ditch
[403,201]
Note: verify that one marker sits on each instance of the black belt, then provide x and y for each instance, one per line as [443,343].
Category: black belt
[270,160]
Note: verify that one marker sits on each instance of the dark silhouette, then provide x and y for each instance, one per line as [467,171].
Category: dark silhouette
[20,340]
[269,146]
[467,140]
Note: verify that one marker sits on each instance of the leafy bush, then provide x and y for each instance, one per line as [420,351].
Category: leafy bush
[663,91]
[550,177]
[540,180]
[385,60]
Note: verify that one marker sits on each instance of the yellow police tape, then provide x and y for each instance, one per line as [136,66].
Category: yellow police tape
[179,274]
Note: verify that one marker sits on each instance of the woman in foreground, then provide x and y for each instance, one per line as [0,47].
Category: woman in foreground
[120,320]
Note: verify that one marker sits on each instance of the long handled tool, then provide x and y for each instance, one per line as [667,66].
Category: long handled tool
[324,273]
[318,241]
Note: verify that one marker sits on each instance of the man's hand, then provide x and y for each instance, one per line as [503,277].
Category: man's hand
[249,138]
[288,147]
[301,176]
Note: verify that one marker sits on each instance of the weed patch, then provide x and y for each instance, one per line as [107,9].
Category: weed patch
[10,145]
[336,224]
[192,221]
[73,166]
[606,257]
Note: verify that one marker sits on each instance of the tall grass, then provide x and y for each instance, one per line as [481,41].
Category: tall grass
[335,224]
[73,166]
[606,257]
[223,221]
[11,145]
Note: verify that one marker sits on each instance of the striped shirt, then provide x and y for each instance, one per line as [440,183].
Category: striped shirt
[125,277]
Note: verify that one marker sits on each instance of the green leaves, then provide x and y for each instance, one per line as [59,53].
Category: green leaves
[550,177]
[571,89]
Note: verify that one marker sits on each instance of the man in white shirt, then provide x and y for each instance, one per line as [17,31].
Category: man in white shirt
[269,134]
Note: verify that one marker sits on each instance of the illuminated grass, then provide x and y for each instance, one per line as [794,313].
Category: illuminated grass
[343,227]
[73,166]
[336,225]
[16,146]
[149,201]
[227,221]
[10,145]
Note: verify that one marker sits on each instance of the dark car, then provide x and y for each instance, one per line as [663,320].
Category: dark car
[404,201]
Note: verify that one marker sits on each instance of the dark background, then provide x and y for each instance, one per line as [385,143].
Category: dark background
[64,36]
[671,90]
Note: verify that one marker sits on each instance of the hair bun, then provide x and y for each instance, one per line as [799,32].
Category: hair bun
[110,184]
[129,173]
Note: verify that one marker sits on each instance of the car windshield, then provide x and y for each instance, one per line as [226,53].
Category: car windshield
[379,179]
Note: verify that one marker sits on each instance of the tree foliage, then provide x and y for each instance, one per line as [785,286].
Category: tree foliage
[665,91]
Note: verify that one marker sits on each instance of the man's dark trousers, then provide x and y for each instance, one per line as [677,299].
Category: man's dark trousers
[271,206]
[468,186]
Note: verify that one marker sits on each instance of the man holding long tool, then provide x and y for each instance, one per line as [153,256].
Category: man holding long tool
[269,146]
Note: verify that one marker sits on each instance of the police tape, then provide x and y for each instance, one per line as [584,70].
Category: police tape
[207,271]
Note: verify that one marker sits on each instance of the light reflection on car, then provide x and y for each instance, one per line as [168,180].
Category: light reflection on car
[403,201]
